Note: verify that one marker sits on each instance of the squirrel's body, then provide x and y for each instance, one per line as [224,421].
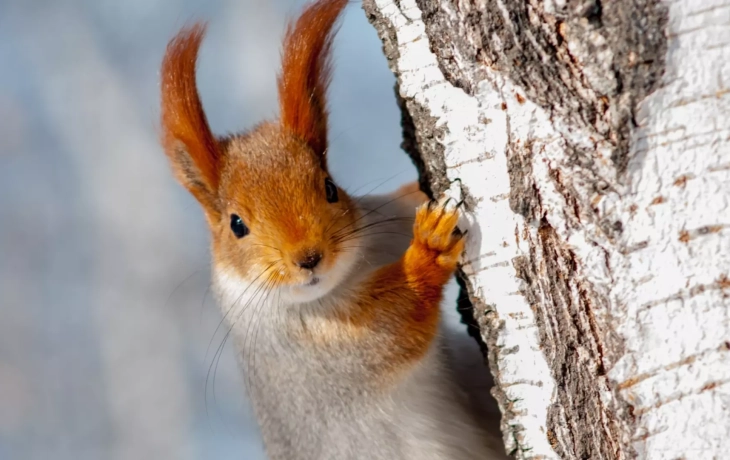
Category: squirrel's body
[320,399]
[333,302]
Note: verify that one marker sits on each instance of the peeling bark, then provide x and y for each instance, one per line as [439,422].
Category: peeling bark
[590,142]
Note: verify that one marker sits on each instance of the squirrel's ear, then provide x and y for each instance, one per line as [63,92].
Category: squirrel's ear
[189,144]
[305,72]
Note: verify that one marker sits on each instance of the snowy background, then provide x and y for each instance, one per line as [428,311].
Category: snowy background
[105,318]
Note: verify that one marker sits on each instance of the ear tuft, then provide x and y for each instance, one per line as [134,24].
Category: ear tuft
[189,144]
[306,72]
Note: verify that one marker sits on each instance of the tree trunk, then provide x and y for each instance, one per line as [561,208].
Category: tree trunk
[590,142]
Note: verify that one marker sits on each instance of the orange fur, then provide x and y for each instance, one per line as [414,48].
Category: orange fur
[306,72]
[404,298]
[187,139]
[396,313]
[276,184]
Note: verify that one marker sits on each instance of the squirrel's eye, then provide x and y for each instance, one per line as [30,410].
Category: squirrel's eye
[238,227]
[331,190]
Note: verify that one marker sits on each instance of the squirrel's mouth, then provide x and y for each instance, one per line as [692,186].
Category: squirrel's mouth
[312,282]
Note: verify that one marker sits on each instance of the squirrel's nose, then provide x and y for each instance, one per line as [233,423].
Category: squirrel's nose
[310,259]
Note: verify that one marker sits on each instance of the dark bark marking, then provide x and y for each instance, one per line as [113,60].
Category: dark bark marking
[577,341]
[621,62]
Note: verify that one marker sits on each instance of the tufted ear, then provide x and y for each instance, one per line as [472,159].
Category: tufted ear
[305,72]
[189,144]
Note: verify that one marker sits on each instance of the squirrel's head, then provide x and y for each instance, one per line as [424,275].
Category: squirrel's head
[276,217]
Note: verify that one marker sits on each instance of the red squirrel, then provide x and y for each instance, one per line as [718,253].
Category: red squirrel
[333,301]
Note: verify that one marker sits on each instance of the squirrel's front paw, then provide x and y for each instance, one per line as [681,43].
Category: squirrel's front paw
[435,235]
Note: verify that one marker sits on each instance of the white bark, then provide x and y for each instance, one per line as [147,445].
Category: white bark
[671,290]
[605,304]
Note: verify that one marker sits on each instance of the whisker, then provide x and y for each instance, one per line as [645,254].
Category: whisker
[219,354]
[232,305]
[374,188]
[181,283]
[381,184]
[202,302]
[219,350]
[345,230]
[377,208]
[357,200]
[281,323]
[267,246]
[407,235]
[339,236]
[257,320]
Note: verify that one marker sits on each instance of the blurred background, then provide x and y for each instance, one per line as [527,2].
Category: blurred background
[107,328]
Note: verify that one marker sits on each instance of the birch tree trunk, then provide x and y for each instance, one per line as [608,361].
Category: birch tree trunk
[590,140]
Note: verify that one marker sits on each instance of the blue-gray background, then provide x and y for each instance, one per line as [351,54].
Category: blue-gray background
[104,319]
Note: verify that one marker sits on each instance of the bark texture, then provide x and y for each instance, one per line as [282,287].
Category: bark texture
[590,142]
